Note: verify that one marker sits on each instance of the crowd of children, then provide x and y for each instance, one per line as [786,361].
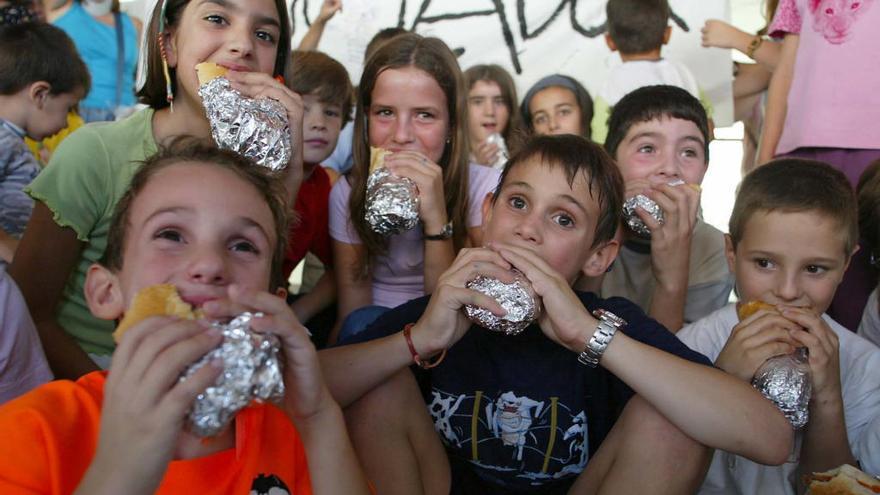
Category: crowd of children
[635,375]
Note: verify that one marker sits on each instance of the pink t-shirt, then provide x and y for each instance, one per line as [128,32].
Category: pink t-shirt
[834,100]
[400,275]
[23,365]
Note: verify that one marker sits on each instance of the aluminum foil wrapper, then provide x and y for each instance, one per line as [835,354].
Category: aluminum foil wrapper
[786,381]
[256,128]
[634,222]
[503,153]
[522,304]
[252,371]
[392,203]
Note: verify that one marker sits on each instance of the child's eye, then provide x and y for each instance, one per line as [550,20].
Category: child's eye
[425,115]
[266,36]
[565,111]
[169,235]
[517,202]
[564,220]
[215,19]
[816,269]
[540,119]
[764,263]
[332,113]
[646,149]
[689,152]
[383,112]
[245,247]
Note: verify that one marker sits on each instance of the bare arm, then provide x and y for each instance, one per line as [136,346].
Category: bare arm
[353,291]
[322,295]
[722,35]
[47,256]
[8,245]
[777,100]
[751,79]
[313,36]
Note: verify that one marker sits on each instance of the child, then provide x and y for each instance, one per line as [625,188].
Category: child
[76,193]
[638,29]
[411,102]
[792,232]
[558,104]
[121,432]
[327,96]
[491,110]
[521,413]
[41,79]
[822,104]
[659,134]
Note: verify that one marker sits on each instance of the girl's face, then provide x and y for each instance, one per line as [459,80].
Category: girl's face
[241,35]
[487,112]
[555,110]
[408,113]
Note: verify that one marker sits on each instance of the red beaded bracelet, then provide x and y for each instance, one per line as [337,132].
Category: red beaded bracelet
[415,355]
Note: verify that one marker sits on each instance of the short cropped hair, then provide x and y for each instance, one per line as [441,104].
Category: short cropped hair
[655,103]
[188,149]
[38,51]
[576,154]
[320,74]
[793,185]
[868,194]
[637,26]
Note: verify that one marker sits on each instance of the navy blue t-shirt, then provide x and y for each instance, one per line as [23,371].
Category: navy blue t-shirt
[521,411]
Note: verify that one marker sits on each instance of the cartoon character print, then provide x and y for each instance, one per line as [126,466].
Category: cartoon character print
[442,409]
[834,19]
[511,418]
[268,485]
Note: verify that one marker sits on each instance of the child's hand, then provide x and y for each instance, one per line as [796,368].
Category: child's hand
[719,34]
[428,177]
[671,241]
[145,405]
[443,323]
[754,340]
[564,316]
[328,9]
[486,153]
[306,394]
[813,333]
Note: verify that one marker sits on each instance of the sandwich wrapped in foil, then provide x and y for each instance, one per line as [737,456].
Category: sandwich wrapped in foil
[502,155]
[641,201]
[256,128]
[786,380]
[517,298]
[392,203]
[251,371]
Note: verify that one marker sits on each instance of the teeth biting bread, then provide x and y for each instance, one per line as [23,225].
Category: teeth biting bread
[843,480]
[155,300]
[743,311]
[208,71]
[377,158]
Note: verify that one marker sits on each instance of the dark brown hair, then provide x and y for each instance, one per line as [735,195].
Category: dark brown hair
[577,155]
[320,74]
[637,26]
[38,51]
[792,185]
[432,56]
[868,193]
[188,150]
[153,93]
[497,74]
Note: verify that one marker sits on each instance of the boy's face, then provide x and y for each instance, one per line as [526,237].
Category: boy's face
[790,258]
[662,150]
[201,228]
[322,123]
[555,111]
[538,210]
[50,115]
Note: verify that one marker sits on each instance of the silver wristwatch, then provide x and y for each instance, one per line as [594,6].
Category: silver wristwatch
[609,323]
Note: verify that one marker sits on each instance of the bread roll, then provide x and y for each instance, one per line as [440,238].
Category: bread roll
[377,158]
[155,300]
[843,480]
[208,71]
[752,307]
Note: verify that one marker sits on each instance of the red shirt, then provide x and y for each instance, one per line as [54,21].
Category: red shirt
[49,437]
[309,230]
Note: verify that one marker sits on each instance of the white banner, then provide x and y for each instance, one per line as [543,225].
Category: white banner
[530,38]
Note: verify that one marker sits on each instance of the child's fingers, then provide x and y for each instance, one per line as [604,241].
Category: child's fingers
[174,359]
[469,256]
[456,298]
[181,396]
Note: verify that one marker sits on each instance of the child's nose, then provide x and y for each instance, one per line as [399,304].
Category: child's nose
[529,229]
[787,287]
[208,266]
[403,131]
[241,41]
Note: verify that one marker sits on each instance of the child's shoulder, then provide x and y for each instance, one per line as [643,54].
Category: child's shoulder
[60,407]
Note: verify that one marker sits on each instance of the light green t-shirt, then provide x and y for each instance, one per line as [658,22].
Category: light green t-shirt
[86,177]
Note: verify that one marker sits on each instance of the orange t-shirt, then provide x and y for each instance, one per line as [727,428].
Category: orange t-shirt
[48,438]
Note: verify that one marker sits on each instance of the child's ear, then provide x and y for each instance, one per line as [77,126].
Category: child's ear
[103,293]
[610,42]
[730,253]
[667,33]
[601,258]
[169,47]
[487,208]
[38,92]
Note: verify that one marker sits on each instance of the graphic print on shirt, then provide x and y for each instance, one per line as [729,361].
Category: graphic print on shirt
[509,436]
[834,19]
[268,485]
